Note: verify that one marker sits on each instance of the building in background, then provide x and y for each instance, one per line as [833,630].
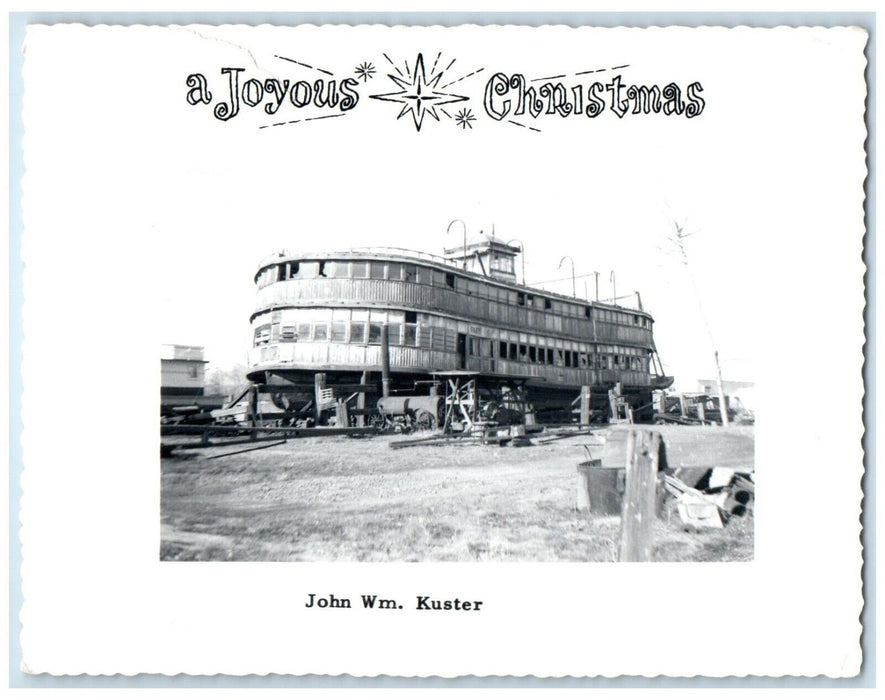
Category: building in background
[182,371]
[742,390]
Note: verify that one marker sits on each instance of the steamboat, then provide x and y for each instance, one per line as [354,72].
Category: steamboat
[339,330]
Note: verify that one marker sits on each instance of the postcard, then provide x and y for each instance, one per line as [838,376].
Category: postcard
[425,351]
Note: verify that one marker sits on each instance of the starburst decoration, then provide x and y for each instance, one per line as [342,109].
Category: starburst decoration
[464,117]
[365,71]
[419,96]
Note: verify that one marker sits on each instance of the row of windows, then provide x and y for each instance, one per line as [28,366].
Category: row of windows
[407,272]
[446,340]
[363,324]
[520,352]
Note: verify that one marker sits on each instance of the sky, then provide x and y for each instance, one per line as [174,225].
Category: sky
[174,208]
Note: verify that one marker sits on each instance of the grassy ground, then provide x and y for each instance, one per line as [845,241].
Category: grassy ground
[341,498]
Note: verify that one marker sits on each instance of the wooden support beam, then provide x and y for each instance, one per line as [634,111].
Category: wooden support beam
[361,402]
[638,514]
[319,383]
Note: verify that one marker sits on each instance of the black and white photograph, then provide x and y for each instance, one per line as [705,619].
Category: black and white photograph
[485,330]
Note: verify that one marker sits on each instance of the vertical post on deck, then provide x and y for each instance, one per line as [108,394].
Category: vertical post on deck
[385,359]
[638,514]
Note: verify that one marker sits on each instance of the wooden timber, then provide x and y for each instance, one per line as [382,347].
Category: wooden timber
[638,515]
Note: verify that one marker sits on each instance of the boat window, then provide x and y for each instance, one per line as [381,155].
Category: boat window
[288,335]
[360,270]
[532,356]
[450,280]
[303,332]
[548,304]
[411,317]
[502,349]
[308,270]
[529,300]
[520,299]
[376,271]
[411,334]
[262,335]
[410,273]
[394,271]
[425,276]
[320,331]
[339,331]
[336,269]
[357,332]
[321,272]
[522,351]
[588,312]
[393,334]
[374,334]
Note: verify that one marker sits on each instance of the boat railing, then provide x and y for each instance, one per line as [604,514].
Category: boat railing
[617,303]
[361,250]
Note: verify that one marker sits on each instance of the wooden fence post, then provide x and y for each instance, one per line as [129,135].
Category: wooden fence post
[638,514]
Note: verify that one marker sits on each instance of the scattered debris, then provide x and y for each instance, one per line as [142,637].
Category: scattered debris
[713,506]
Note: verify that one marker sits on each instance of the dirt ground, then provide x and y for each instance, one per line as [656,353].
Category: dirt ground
[356,499]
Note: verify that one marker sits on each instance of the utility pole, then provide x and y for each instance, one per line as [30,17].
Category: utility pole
[679,240]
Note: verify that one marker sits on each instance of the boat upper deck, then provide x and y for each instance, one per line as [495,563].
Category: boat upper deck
[279,267]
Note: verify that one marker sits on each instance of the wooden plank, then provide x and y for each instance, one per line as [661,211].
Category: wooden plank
[638,515]
[694,447]
[289,432]
[248,449]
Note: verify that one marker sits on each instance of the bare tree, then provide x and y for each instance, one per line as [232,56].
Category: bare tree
[225,381]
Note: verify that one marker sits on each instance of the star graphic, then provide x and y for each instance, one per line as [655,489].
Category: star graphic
[464,117]
[365,71]
[418,95]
